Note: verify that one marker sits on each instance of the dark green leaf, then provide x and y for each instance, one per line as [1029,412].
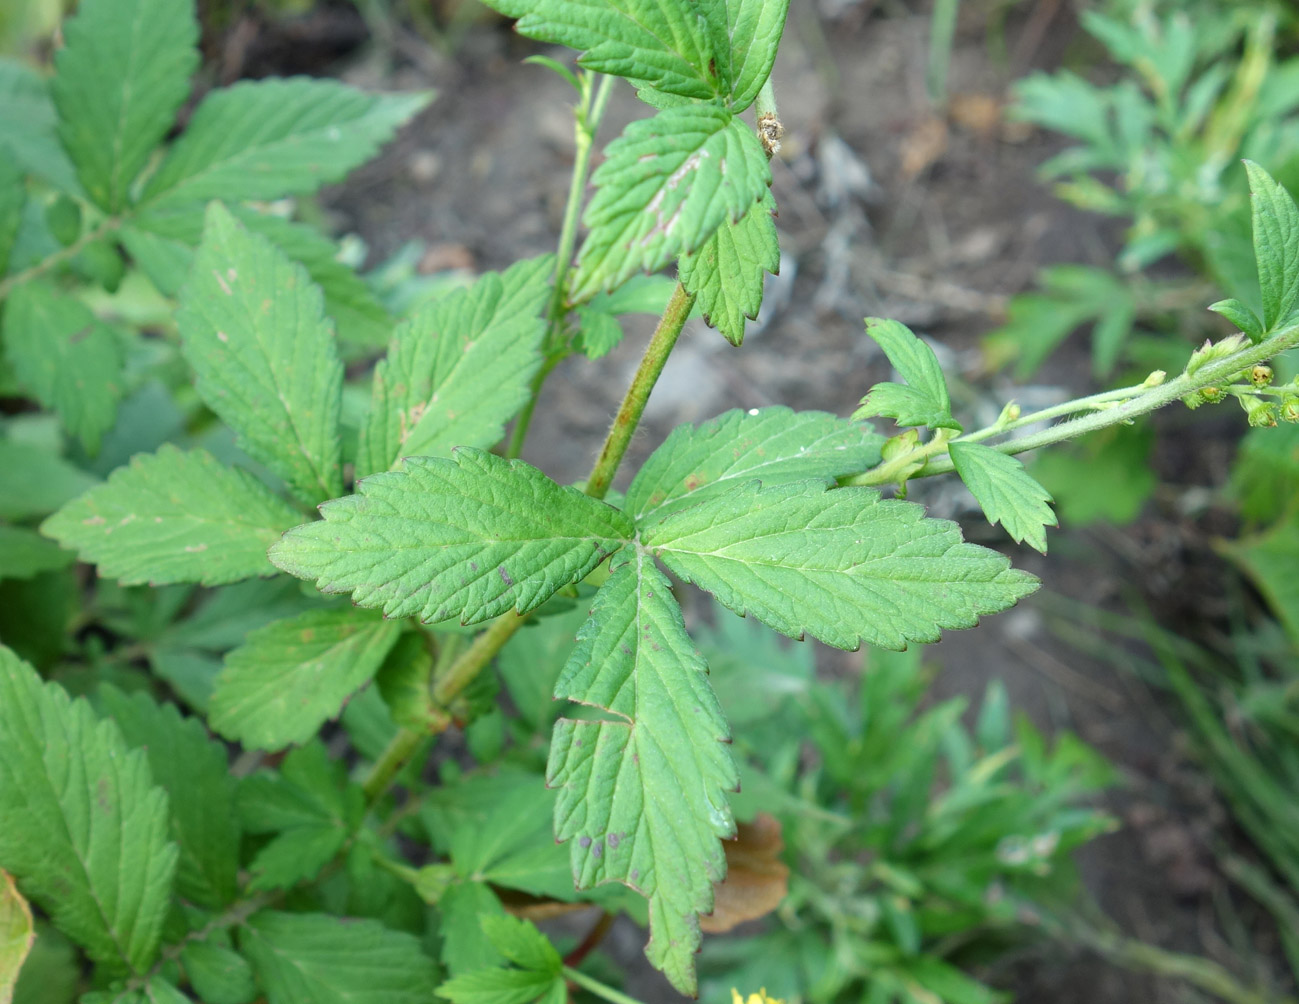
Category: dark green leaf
[755,27]
[727,273]
[218,974]
[1276,244]
[24,553]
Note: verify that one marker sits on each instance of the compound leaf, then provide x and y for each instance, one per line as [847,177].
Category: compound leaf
[335,960]
[85,829]
[844,565]
[252,328]
[775,444]
[1276,244]
[755,27]
[194,772]
[119,80]
[289,677]
[665,187]
[676,48]
[459,369]
[643,798]
[66,358]
[727,273]
[471,537]
[923,400]
[265,139]
[175,517]
[1006,493]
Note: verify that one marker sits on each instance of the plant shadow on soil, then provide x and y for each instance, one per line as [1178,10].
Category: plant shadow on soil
[885,210]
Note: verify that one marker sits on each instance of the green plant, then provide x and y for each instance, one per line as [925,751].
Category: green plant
[178,872]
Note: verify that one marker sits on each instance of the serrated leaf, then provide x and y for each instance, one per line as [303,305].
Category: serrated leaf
[66,358]
[497,986]
[28,126]
[175,517]
[726,275]
[843,565]
[665,187]
[459,369]
[924,400]
[162,242]
[17,935]
[755,27]
[310,788]
[674,48]
[290,677]
[775,444]
[24,553]
[335,960]
[252,328]
[1006,493]
[520,942]
[297,855]
[1276,244]
[1240,315]
[598,333]
[464,945]
[194,771]
[643,798]
[218,974]
[265,139]
[471,537]
[119,79]
[85,828]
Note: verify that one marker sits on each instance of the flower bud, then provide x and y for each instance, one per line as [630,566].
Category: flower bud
[1260,375]
[1261,413]
[1212,395]
[1290,410]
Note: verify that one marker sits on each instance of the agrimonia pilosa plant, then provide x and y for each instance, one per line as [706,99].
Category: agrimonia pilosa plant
[176,873]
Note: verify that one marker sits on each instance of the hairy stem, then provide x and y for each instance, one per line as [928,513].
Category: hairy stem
[1116,407]
[106,227]
[637,396]
[587,123]
[596,987]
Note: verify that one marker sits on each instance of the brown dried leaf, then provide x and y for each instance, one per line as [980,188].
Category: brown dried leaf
[16,935]
[756,879]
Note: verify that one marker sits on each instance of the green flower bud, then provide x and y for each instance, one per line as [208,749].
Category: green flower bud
[1261,413]
[1212,395]
[1290,410]
[1260,375]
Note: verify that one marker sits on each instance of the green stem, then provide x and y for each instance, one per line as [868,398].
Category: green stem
[1126,404]
[596,987]
[467,666]
[587,123]
[106,227]
[400,749]
[633,403]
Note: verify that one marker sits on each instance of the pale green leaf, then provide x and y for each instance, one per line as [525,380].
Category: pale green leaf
[923,400]
[290,677]
[175,517]
[194,771]
[672,47]
[1276,244]
[24,553]
[120,77]
[312,957]
[85,829]
[162,242]
[598,333]
[726,275]
[28,127]
[665,187]
[264,139]
[755,28]
[218,974]
[36,480]
[520,942]
[774,444]
[66,358]
[1241,315]
[497,986]
[844,565]
[470,537]
[642,799]
[1006,493]
[251,325]
[459,369]
[17,934]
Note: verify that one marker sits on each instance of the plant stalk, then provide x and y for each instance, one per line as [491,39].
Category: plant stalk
[105,227]
[596,987]
[1124,405]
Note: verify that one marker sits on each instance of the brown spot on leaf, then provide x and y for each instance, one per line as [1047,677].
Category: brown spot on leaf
[756,879]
